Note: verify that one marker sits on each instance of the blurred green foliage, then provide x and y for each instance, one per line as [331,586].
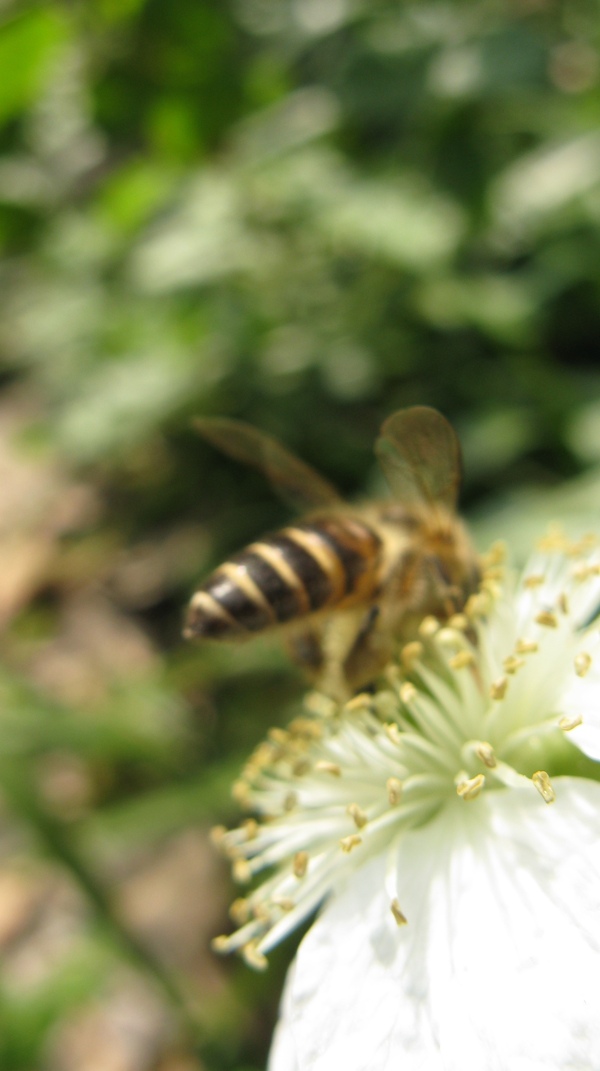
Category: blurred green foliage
[301,213]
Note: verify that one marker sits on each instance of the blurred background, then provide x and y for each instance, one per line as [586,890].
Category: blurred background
[304,214]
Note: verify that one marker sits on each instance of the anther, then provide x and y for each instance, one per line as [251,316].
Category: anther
[394,790]
[462,660]
[398,914]
[393,732]
[544,786]
[220,944]
[217,834]
[485,753]
[284,902]
[253,957]
[240,911]
[278,736]
[240,792]
[362,701]
[534,581]
[348,843]
[322,705]
[429,626]
[583,662]
[300,864]
[470,787]
[459,621]
[328,767]
[357,815]
[547,618]
[250,827]
[407,692]
[512,664]
[498,688]
[563,603]
[242,872]
[411,653]
[566,724]
[526,646]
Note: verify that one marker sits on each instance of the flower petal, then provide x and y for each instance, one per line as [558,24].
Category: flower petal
[498,967]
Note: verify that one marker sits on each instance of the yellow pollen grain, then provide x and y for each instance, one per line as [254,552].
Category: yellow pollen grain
[411,653]
[357,815]
[498,688]
[347,844]
[547,618]
[486,754]
[328,767]
[534,581]
[512,664]
[398,914]
[544,786]
[523,646]
[242,871]
[407,692]
[583,662]
[470,788]
[394,790]
[429,626]
[254,958]
[462,660]
[300,864]
[566,724]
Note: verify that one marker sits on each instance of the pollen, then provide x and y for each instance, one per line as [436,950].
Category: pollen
[566,724]
[462,660]
[526,646]
[535,580]
[253,957]
[411,653]
[357,815]
[498,688]
[394,790]
[332,768]
[407,692]
[486,754]
[544,786]
[429,626]
[512,664]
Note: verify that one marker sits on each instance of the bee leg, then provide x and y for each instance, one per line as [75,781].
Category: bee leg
[368,653]
[306,649]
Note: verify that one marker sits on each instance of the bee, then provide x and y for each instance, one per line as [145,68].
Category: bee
[346,582]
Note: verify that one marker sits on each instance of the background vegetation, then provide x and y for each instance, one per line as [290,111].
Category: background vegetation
[302,213]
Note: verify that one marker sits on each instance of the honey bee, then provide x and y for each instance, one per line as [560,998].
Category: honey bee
[346,582]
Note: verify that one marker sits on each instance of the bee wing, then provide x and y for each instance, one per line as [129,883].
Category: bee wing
[420,455]
[296,481]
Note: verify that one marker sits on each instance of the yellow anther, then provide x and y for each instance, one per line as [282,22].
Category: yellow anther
[394,733]
[512,664]
[486,754]
[278,736]
[534,581]
[242,871]
[357,815]
[398,914]
[429,626]
[459,621]
[547,618]
[498,688]
[563,603]
[544,786]
[407,692]
[362,701]
[496,554]
[240,791]
[394,790]
[477,605]
[220,944]
[462,660]
[411,653]
[217,834]
[583,662]
[240,911]
[526,646]
[250,827]
[348,843]
[566,724]
[284,902]
[253,957]
[470,787]
[301,768]
[322,705]
[322,766]
[300,864]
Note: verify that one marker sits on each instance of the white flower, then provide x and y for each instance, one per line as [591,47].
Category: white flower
[461,922]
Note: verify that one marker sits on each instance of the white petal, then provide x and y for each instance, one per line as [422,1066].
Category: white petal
[499,966]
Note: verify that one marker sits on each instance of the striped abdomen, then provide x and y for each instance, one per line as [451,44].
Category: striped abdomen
[325,563]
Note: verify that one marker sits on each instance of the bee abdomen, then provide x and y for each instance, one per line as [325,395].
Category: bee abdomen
[295,572]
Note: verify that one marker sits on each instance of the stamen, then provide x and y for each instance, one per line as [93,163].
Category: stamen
[544,786]
[357,815]
[566,724]
[583,662]
[470,787]
[394,790]
[242,871]
[348,843]
[398,914]
[498,688]
[407,692]
[482,750]
[534,581]
[411,653]
[300,864]
[462,660]
[253,957]
[333,768]
[429,626]
[523,646]
[547,618]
